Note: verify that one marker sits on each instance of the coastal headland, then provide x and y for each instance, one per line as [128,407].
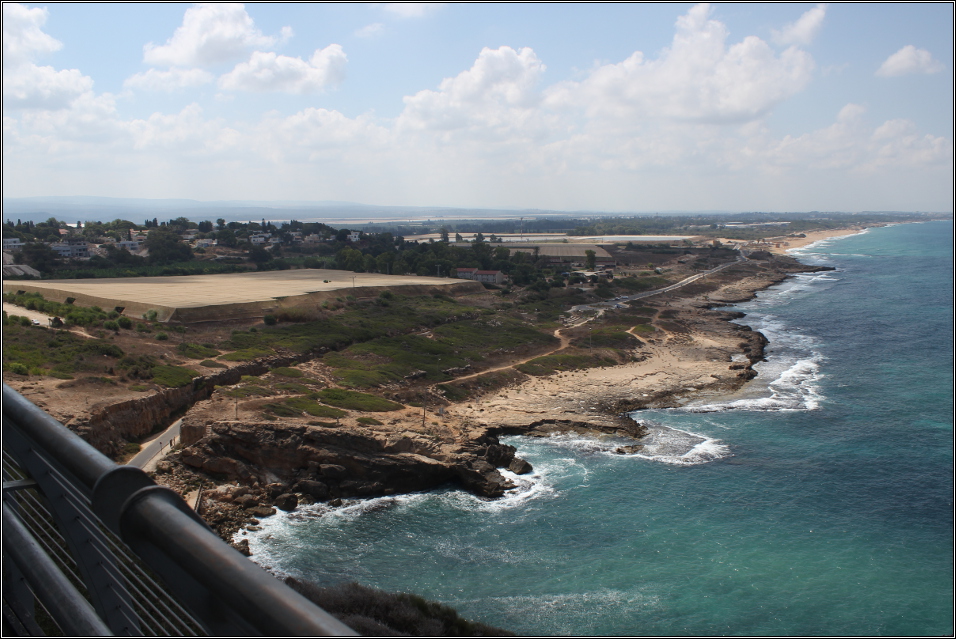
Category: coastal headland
[331,422]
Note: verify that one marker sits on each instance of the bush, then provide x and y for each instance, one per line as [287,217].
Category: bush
[124,322]
[287,372]
[162,337]
[110,325]
[19,369]
[270,320]
[195,351]
[314,408]
[173,376]
[354,400]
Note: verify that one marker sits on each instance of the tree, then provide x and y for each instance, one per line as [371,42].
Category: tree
[166,247]
[259,256]
[590,260]
[444,234]
[226,237]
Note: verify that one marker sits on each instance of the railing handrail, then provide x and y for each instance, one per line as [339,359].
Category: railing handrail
[227,593]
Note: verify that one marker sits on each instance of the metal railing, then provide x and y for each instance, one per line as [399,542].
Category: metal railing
[102,549]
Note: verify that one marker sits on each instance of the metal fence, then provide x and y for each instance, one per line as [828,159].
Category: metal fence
[91,548]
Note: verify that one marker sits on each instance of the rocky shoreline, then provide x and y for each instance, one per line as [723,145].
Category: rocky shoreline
[252,468]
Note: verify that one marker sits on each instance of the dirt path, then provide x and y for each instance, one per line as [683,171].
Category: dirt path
[565,341]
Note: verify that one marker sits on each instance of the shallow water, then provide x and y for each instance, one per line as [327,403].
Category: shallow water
[816,501]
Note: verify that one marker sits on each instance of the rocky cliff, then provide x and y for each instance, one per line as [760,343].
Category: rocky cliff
[333,462]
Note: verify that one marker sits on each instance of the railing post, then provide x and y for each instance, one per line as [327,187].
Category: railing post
[100,572]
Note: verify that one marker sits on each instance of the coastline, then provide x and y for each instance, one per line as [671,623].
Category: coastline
[696,353]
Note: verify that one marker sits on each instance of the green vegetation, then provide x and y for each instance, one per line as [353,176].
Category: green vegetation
[289,387]
[353,400]
[196,351]
[173,376]
[252,390]
[550,364]
[312,407]
[56,353]
[638,284]
[208,363]
[369,421]
[615,337]
[71,315]
[287,372]
[246,354]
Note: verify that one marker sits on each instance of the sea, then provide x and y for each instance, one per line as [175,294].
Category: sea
[817,501]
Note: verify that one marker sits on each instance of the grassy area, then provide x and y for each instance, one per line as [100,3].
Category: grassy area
[440,356]
[354,400]
[287,372]
[197,351]
[615,337]
[246,354]
[550,364]
[312,407]
[359,322]
[71,315]
[60,354]
[173,376]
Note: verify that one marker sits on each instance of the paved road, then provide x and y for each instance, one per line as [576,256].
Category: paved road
[637,296]
[155,449]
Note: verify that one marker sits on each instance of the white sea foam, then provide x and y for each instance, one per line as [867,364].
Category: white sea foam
[680,447]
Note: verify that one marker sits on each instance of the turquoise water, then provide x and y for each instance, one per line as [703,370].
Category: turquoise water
[819,501]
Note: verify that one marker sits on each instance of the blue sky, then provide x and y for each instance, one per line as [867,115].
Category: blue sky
[617,107]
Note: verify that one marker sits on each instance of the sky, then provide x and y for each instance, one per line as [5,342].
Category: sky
[601,107]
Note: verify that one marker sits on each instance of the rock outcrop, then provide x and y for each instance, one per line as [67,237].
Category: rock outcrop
[331,462]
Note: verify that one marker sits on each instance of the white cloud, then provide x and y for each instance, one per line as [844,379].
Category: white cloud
[698,78]
[23,38]
[370,30]
[210,34]
[498,93]
[33,87]
[25,84]
[272,72]
[909,60]
[412,9]
[804,30]
[171,80]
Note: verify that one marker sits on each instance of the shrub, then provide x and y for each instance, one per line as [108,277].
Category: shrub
[110,325]
[150,315]
[173,376]
[287,372]
[124,322]
[314,408]
[354,400]
[270,320]
[369,421]
[195,351]
[162,337]
[19,369]
[208,363]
